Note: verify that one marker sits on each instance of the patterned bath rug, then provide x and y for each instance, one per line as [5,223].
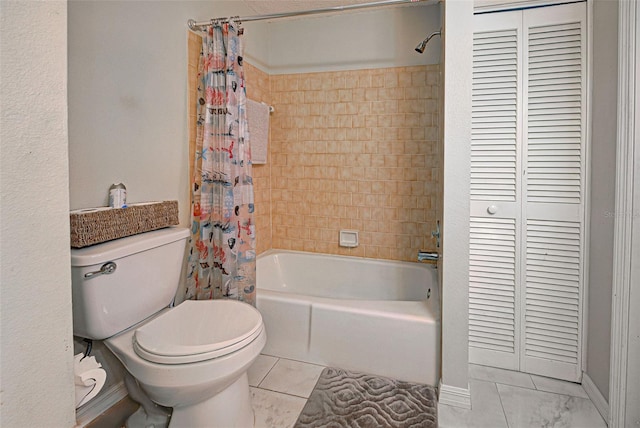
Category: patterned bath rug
[356,400]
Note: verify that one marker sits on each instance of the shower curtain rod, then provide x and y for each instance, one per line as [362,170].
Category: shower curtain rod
[195,26]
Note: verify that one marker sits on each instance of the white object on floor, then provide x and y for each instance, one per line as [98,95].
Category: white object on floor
[89,378]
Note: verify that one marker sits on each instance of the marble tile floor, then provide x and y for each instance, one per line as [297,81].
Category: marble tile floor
[506,399]
[279,389]
[501,398]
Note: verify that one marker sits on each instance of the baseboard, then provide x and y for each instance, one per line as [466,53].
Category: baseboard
[100,404]
[596,397]
[454,396]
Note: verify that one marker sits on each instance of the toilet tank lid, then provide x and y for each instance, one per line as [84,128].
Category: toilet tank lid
[118,248]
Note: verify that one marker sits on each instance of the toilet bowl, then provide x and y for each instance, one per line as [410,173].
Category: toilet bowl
[192,357]
[201,374]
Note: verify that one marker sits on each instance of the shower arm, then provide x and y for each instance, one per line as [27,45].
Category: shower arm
[423,44]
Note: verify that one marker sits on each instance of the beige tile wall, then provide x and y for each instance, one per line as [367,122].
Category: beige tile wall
[194,46]
[355,150]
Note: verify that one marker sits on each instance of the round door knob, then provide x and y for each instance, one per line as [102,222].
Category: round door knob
[492,209]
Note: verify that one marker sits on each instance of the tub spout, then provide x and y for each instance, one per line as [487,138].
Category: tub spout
[427,255]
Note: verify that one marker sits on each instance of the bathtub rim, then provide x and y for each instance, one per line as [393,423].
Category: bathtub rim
[272,251]
[432,268]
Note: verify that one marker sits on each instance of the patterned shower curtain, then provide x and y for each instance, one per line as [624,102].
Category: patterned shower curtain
[222,254]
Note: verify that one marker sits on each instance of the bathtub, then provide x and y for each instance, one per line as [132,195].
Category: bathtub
[373,316]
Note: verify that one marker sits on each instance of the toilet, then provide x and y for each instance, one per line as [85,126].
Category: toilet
[192,357]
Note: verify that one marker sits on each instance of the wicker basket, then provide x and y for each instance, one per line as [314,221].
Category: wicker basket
[93,226]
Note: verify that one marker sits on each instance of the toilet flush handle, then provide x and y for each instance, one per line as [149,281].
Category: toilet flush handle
[106,269]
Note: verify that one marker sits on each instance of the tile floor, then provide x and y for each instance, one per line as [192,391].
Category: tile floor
[501,398]
[279,389]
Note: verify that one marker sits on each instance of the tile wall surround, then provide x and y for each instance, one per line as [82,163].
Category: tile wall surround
[356,150]
[350,150]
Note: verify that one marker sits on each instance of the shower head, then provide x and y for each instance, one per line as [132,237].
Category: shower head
[423,44]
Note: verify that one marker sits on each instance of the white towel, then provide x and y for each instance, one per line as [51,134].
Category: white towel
[258,118]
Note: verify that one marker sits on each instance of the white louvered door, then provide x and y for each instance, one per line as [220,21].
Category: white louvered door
[553,194]
[494,324]
[527,190]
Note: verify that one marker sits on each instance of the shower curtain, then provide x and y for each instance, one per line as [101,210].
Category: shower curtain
[222,247]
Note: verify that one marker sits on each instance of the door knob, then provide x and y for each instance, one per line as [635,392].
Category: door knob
[492,209]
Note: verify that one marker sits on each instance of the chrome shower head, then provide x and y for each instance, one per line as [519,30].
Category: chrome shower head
[423,44]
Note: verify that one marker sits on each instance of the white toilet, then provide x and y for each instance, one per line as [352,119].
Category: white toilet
[193,357]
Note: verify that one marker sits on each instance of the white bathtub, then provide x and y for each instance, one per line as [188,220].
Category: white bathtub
[373,316]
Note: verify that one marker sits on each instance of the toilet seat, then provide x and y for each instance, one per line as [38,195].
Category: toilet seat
[197,330]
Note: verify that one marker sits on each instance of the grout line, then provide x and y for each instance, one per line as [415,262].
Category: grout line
[285,393]
[268,371]
[506,420]
[543,391]
[534,383]
[299,361]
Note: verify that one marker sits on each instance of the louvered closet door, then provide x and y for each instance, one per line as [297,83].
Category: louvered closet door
[527,190]
[554,86]
[494,324]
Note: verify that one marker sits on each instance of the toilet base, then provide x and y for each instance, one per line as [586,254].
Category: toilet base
[229,408]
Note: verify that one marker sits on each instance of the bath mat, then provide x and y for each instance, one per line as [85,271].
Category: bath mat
[356,400]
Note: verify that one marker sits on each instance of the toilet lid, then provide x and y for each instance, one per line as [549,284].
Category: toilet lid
[197,331]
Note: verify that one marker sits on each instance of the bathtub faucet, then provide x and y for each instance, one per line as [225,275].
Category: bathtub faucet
[427,255]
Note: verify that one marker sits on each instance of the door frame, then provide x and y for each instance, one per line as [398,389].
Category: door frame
[624,389]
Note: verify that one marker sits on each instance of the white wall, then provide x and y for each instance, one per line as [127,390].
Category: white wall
[35,283]
[128,97]
[128,81]
[603,166]
[458,42]
[354,40]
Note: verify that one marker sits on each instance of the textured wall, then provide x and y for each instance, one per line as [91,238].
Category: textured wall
[361,39]
[457,72]
[128,97]
[35,280]
[603,166]
[355,150]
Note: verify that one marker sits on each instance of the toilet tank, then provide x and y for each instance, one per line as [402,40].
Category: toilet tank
[145,280]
